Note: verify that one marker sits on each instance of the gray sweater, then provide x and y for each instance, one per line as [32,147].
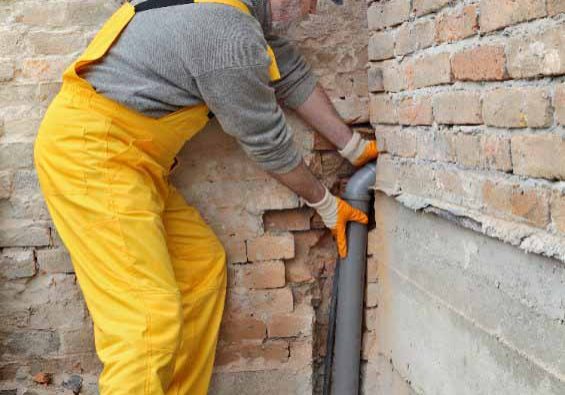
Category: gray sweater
[179,56]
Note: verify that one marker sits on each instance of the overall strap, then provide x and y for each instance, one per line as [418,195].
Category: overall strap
[151,4]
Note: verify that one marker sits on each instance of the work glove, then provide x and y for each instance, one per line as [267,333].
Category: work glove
[336,213]
[359,151]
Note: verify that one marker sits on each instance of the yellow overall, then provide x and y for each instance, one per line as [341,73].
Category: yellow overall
[152,272]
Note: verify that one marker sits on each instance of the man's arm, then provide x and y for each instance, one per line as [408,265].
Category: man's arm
[298,90]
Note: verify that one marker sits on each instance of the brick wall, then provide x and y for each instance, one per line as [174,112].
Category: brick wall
[467,101]
[280,258]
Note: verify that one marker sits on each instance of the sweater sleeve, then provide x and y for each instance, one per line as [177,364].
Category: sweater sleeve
[297,80]
[244,103]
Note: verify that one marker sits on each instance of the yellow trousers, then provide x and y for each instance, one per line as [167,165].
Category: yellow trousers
[152,272]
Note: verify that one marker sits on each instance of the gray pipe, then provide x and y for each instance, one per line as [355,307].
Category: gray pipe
[351,288]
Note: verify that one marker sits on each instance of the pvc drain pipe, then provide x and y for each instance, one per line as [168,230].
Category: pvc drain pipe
[351,285]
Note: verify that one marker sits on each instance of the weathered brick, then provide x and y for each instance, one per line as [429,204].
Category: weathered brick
[31,343]
[394,76]
[271,246]
[6,71]
[398,142]
[270,274]
[517,201]
[352,109]
[517,108]
[235,249]
[54,43]
[51,15]
[383,109]
[87,12]
[555,7]
[369,346]
[539,155]
[457,107]
[375,77]
[558,210]
[495,14]
[372,295]
[483,152]
[415,111]
[253,356]
[298,323]
[294,219]
[45,68]
[372,269]
[381,45]
[6,182]
[413,36]
[559,104]
[238,328]
[456,24]
[432,70]
[278,300]
[61,313]
[17,263]
[23,233]
[10,42]
[54,261]
[537,54]
[436,145]
[421,7]
[389,13]
[479,64]
[300,268]
[370,319]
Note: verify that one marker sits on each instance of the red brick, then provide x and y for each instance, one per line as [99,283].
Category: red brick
[537,54]
[415,111]
[236,329]
[271,246]
[530,204]
[413,36]
[389,13]
[432,70]
[496,14]
[456,25]
[558,210]
[290,324]
[559,104]
[294,219]
[260,275]
[555,7]
[539,155]
[458,107]
[517,108]
[422,7]
[382,109]
[479,64]
[381,45]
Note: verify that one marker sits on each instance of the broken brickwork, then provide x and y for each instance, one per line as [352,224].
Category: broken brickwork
[467,100]
[280,257]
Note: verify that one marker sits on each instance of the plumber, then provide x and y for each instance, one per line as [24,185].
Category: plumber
[152,272]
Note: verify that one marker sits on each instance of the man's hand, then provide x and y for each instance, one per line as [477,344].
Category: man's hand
[359,151]
[336,213]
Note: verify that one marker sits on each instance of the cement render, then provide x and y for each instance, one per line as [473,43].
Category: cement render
[461,313]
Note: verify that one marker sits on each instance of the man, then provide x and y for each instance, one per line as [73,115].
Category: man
[152,272]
